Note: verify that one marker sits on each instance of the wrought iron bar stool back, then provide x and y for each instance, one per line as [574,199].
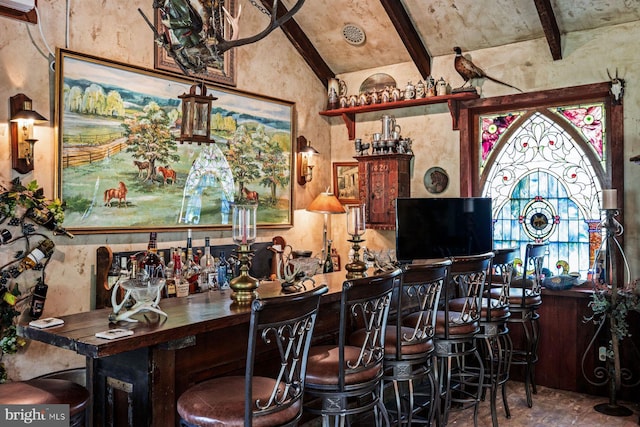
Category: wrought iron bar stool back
[343,379]
[525,296]
[409,358]
[283,325]
[460,367]
[495,343]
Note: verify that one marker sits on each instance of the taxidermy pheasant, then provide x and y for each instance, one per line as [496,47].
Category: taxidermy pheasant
[468,70]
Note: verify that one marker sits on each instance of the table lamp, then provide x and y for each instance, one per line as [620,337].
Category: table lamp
[328,204]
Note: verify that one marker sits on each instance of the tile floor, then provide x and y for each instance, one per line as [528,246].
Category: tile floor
[551,408]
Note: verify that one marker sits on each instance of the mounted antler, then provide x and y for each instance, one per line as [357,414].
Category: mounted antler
[279,15]
[197,40]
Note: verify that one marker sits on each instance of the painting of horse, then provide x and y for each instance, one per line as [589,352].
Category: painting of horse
[119,193]
[167,174]
[143,169]
[251,196]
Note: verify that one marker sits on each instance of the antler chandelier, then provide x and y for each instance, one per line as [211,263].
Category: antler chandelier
[197,41]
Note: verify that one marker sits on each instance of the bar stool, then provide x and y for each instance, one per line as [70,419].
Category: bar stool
[409,350]
[493,339]
[525,296]
[455,339]
[344,379]
[48,391]
[284,325]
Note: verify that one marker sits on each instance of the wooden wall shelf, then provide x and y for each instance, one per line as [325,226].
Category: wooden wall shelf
[349,114]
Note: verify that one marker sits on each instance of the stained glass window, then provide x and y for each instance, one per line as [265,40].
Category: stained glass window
[544,181]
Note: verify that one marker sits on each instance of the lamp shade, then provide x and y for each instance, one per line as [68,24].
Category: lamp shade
[326,203]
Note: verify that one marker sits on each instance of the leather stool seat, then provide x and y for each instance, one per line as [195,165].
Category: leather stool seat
[419,347]
[497,312]
[220,402]
[322,367]
[515,299]
[454,328]
[46,391]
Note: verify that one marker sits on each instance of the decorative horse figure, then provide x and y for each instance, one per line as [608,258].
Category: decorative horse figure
[167,174]
[251,196]
[119,193]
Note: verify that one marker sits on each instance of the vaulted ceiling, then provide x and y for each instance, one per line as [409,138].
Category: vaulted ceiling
[397,31]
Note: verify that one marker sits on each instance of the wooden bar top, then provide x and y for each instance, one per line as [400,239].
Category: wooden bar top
[187,317]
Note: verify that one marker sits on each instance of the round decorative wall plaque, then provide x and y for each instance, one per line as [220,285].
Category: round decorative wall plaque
[436,180]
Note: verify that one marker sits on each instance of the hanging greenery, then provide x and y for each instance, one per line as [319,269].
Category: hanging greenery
[601,304]
[15,201]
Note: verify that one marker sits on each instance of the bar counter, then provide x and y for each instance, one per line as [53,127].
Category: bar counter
[136,380]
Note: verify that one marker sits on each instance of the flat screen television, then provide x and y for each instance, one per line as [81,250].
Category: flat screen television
[428,228]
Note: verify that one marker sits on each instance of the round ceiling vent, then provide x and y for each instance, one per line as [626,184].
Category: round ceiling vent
[353,34]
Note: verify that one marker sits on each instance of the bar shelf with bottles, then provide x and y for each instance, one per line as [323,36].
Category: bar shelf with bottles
[109,265]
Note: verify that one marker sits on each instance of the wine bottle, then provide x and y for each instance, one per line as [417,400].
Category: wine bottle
[327,267]
[38,299]
[43,250]
[5,236]
[43,216]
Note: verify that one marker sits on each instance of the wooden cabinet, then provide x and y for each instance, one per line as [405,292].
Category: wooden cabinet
[381,180]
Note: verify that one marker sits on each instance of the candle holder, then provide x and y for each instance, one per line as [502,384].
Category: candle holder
[244,233]
[608,292]
[356,227]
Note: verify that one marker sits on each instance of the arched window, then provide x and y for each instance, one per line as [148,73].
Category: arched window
[544,159]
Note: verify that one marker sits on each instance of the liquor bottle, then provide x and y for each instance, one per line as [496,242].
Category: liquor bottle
[222,267]
[43,250]
[43,216]
[208,276]
[150,261]
[170,291]
[327,266]
[114,272]
[191,269]
[37,299]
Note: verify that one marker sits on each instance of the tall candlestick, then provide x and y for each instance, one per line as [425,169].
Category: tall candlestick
[610,199]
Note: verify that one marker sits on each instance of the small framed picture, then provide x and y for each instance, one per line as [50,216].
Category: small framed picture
[345,182]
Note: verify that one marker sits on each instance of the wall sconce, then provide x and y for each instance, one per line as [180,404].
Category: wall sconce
[304,166]
[22,142]
[196,115]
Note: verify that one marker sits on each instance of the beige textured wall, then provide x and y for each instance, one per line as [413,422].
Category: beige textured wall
[114,30]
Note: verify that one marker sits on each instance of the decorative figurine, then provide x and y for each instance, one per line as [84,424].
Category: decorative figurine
[361,149]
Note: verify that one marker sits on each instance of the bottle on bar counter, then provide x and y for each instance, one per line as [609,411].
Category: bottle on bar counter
[150,261]
[327,267]
[170,288]
[208,276]
[191,268]
[223,267]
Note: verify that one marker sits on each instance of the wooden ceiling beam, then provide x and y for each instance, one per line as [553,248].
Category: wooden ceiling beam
[409,35]
[303,45]
[550,27]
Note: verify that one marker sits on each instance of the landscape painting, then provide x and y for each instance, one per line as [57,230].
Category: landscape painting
[122,168]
